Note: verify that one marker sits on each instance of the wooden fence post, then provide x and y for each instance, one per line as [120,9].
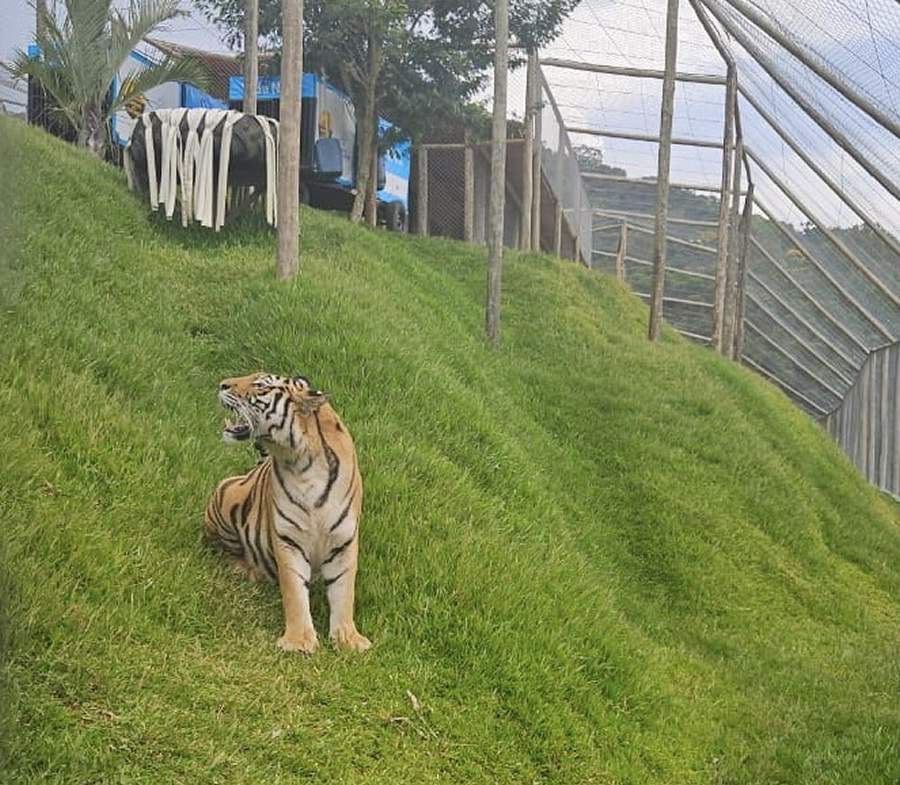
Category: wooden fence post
[622,252]
[498,173]
[422,190]
[537,163]
[724,205]
[663,168]
[251,55]
[731,288]
[746,228]
[469,191]
[528,155]
[558,212]
[289,140]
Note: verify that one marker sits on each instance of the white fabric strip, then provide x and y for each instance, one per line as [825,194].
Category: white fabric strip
[151,160]
[224,159]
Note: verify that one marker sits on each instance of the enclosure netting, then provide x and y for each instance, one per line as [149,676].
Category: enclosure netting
[823,284]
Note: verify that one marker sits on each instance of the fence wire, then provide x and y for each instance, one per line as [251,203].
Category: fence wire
[823,286]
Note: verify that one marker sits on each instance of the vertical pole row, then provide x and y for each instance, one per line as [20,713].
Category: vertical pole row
[538,157]
[498,173]
[663,168]
[724,206]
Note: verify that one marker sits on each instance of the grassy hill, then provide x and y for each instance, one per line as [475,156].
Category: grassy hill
[590,559]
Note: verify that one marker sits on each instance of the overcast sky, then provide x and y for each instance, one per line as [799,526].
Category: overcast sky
[17,28]
[631,32]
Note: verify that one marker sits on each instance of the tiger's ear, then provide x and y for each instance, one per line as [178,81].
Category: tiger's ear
[313,400]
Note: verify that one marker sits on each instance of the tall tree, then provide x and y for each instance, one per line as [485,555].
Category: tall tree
[82,53]
[289,141]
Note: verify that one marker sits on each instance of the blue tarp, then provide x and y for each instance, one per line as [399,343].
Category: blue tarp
[194,98]
[268,88]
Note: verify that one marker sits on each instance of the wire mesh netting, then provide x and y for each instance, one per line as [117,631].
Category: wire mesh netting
[823,277]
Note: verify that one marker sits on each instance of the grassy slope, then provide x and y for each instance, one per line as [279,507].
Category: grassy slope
[591,559]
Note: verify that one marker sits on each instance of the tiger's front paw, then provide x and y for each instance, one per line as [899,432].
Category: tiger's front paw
[350,639]
[304,641]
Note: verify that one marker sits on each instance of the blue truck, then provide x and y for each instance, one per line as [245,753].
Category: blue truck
[328,148]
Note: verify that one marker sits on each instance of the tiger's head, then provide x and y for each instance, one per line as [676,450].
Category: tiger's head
[266,407]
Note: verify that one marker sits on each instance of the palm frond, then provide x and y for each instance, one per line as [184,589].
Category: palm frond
[52,79]
[182,69]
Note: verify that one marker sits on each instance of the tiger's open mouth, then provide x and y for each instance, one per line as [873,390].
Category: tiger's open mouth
[237,426]
[236,431]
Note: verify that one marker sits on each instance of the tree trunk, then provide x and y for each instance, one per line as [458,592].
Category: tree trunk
[366,130]
[251,55]
[92,133]
[372,187]
[363,165]
[289,141]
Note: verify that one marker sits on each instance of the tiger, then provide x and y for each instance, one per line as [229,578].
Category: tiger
[294,516]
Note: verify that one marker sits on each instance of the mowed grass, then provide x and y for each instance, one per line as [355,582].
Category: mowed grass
[590,559]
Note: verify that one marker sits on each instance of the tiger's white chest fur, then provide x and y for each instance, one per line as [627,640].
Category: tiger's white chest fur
[311,508]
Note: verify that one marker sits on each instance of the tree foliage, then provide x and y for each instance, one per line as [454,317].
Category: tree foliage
[417,62]
[82,53]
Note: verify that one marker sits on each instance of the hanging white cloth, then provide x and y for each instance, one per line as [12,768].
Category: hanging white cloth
[153,185]
[190,150]
[171,157]
[204,201]
[128,166]
[271,167]
[224,160]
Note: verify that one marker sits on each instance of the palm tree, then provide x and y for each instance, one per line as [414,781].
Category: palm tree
[82,52]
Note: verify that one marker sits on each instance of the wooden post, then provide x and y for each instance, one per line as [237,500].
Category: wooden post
[577,224]
[622,252]
[498,174]
[558,211]
[724,204]
[528,155]
[743,261]
[641,73]
[251,54]
[537,163]
[731,285]
[289,140]
[469,193]
[422,190]
[663,168]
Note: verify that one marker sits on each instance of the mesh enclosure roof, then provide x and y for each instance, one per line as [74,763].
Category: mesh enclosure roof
[823,285]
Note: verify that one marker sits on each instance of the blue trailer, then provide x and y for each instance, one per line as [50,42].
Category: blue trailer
[328,148]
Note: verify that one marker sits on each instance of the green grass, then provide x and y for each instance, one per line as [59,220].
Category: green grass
[591,559]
